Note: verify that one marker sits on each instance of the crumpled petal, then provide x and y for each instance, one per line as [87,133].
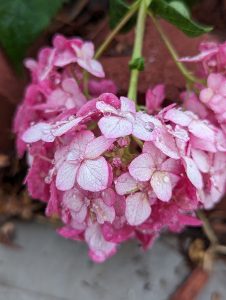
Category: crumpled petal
[125,184]
[104,213]
[100,249]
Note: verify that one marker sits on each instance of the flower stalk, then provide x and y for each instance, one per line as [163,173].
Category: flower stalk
[184,71]
[116,30]
[137,50]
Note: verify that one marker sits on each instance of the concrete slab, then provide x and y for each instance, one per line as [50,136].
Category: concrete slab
[49,267]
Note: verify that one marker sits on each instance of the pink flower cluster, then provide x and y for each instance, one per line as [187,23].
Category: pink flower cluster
[109,171]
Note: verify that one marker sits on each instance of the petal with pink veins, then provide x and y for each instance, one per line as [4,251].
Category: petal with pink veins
[78,145]
[125,184]
[138,209]
[142,167]
[161,184]
[66,174]
[93,175]
[97,147]
[115,127]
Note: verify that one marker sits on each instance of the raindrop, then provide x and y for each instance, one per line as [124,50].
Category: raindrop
[47,179]
[149,126]
[166,179]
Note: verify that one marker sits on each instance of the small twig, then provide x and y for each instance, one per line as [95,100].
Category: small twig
[207,228]
[189,76]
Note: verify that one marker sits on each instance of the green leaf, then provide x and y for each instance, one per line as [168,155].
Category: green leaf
[137,64]
[118,9]
[181,8]
[177,13]
[21,21]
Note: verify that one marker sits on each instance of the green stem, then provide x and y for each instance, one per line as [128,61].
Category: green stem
[108,40]
[185,72]
[120,25]
[137,49]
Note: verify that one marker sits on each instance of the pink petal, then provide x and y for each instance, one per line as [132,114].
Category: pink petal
[108,196]
[201,130]
[161,184]
[125,184]
[104,213]
[201,159]
[92,66]
[87,49]
[193,173]
[143,126]
[106,108]
[69,233]
[90,109]
[102,86]
[157,156]
[100,249]
[71,86]
[73,200]
[79,217]
[97,147]
[65,127]
[127,105]
[137,209]
[114,127]
[202,144]
[78,145]
[37,132]
[142,167]
[177,116]
[166,143]
[93,175]
[66,174]
[200,56]
[172,165]
[154,97]
[53,203]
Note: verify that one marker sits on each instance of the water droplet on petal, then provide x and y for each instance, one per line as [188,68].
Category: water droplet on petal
[149,126]
[166,179]
[47,179]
